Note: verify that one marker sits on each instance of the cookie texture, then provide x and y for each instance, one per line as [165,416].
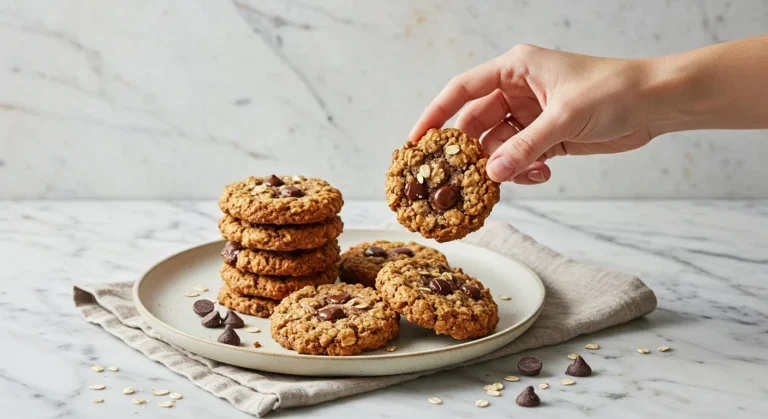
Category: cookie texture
[338,319]
[437,297]
[281,200]
[273,287]
[295,263]
[439,187]
[280,237]
[255,306]
[361,263]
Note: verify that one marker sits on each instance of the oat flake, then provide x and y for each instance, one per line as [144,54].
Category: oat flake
[567,382]
[160,392]
[425,170]
[573,356]
[494,393]
[176,396]
[165,404]
[191,294]
[138,401]
[511,378]
[435,400]
[391,348]
[664,348]
[544,386]
[452,149]
[201,288]
[97,387]
[252,329]
[97,368]
[482,403]
[592,346]
[505,297]
[129,390]
[98,400]
[643,351]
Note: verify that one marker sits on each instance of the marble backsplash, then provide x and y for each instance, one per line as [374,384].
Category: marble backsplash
[175,99]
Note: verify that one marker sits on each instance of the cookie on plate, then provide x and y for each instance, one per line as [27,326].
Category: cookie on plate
[255,306]
[435,296]
[281,200]
[439,187]
[280,237]
[295,263]
[361,263]
[338,319]
[274,287]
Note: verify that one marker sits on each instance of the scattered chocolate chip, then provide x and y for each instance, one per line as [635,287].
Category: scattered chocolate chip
[273,181]
[230,252]
[331,313]
[528,398]
[440,286]
[579,368]
[529,365]
[292,192]
[402,251]
[415,191]
[229,337]
[472,291]
[233,320]
[446,197]
[212,319]
[339,298]
[375,251]
[202,307]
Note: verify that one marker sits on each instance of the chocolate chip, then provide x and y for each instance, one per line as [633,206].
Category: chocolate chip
[292,192]
[415,191]
[375,251]
[274,181]
[233,320]
[230,252]
[339,298]
[528,398]
[229,337]
[472,291]
[331,313]
[446,197]
[202,307]
[440,286]
[579,368]
[212,319]
[402,251]
[529,365]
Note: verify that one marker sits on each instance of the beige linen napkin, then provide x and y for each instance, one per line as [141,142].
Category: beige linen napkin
[580,299]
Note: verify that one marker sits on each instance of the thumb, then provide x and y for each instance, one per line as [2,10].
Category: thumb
[520,151]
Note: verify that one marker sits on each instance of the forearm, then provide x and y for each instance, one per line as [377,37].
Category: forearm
[723,86]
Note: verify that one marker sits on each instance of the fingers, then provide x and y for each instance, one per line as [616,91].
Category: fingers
[494,138]
[482,114]
[535,174]
[475,83]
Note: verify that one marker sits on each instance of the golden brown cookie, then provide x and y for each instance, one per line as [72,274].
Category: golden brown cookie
[360,263]
[296,263]
[439,187]
[255,306]
[280,237]
[281,200]
[434,296]
[274,287]
[338,319]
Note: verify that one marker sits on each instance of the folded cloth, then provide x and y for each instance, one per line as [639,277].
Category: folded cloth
[580,299]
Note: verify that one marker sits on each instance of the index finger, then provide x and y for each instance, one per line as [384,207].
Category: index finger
[473,84]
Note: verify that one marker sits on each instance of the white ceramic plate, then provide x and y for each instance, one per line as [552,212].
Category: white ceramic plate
[160,299]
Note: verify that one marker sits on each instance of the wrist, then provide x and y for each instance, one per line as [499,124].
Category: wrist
[672,103]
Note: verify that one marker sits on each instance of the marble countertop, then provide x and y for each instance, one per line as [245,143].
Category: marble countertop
[707,261]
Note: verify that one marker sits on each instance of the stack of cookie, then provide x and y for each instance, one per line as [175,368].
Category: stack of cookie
[281,234]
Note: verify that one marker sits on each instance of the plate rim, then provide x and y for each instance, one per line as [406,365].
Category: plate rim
[152,319]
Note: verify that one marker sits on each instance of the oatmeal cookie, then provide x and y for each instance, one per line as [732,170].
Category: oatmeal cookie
[280,237]
[255,306]
[338,319]
[432,295]
[281,200]
[274,287]
[439,187]
[296,263]
[360,263]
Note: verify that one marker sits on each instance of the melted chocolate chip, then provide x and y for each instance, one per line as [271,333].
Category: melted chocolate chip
[202,307]
[446,197]
[529,365]
[230,252]
[331,313]
[440,286]
[233,320]
[402,251]
[212,319]
[375,251]
[339,298]
[579,368]
[472,290]
[274,181]
[291,192]
[229,337]
[415,191]
[528,398]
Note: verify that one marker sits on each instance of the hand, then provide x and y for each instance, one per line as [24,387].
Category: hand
[567,104]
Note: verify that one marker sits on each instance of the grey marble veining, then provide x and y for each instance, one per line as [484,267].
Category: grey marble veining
[706,261]
[173,99]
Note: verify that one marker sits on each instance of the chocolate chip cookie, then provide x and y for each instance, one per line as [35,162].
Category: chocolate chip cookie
[439,187]
[281,200]
[296,263]
[338,319]
[360,263]
[274,287]
[435,296]
[255,306]
[280,237]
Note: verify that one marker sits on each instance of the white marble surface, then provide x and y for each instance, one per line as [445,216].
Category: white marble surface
[173,99]
[705,260]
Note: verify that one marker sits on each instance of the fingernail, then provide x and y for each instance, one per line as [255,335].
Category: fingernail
[501,168]
[536,176]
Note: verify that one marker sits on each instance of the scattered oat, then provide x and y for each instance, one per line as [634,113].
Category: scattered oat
[138,401]
[256,344]
[544,386]
[435,400]
[419,178]
[129,390]
[664,348]
[643,351]
[97,368]
[511,378]
[592,346]
[252,329]
[160,392]
[573,356]
[482,403]
[201,288]
[191,294]
[494,393]
[97,387]
[176,396]
[425,170]
[98,400]
[452,149]
[165,404]
[113,369]
[298,178]
[391,348]
[567,382]
[505,297]
[494,386]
